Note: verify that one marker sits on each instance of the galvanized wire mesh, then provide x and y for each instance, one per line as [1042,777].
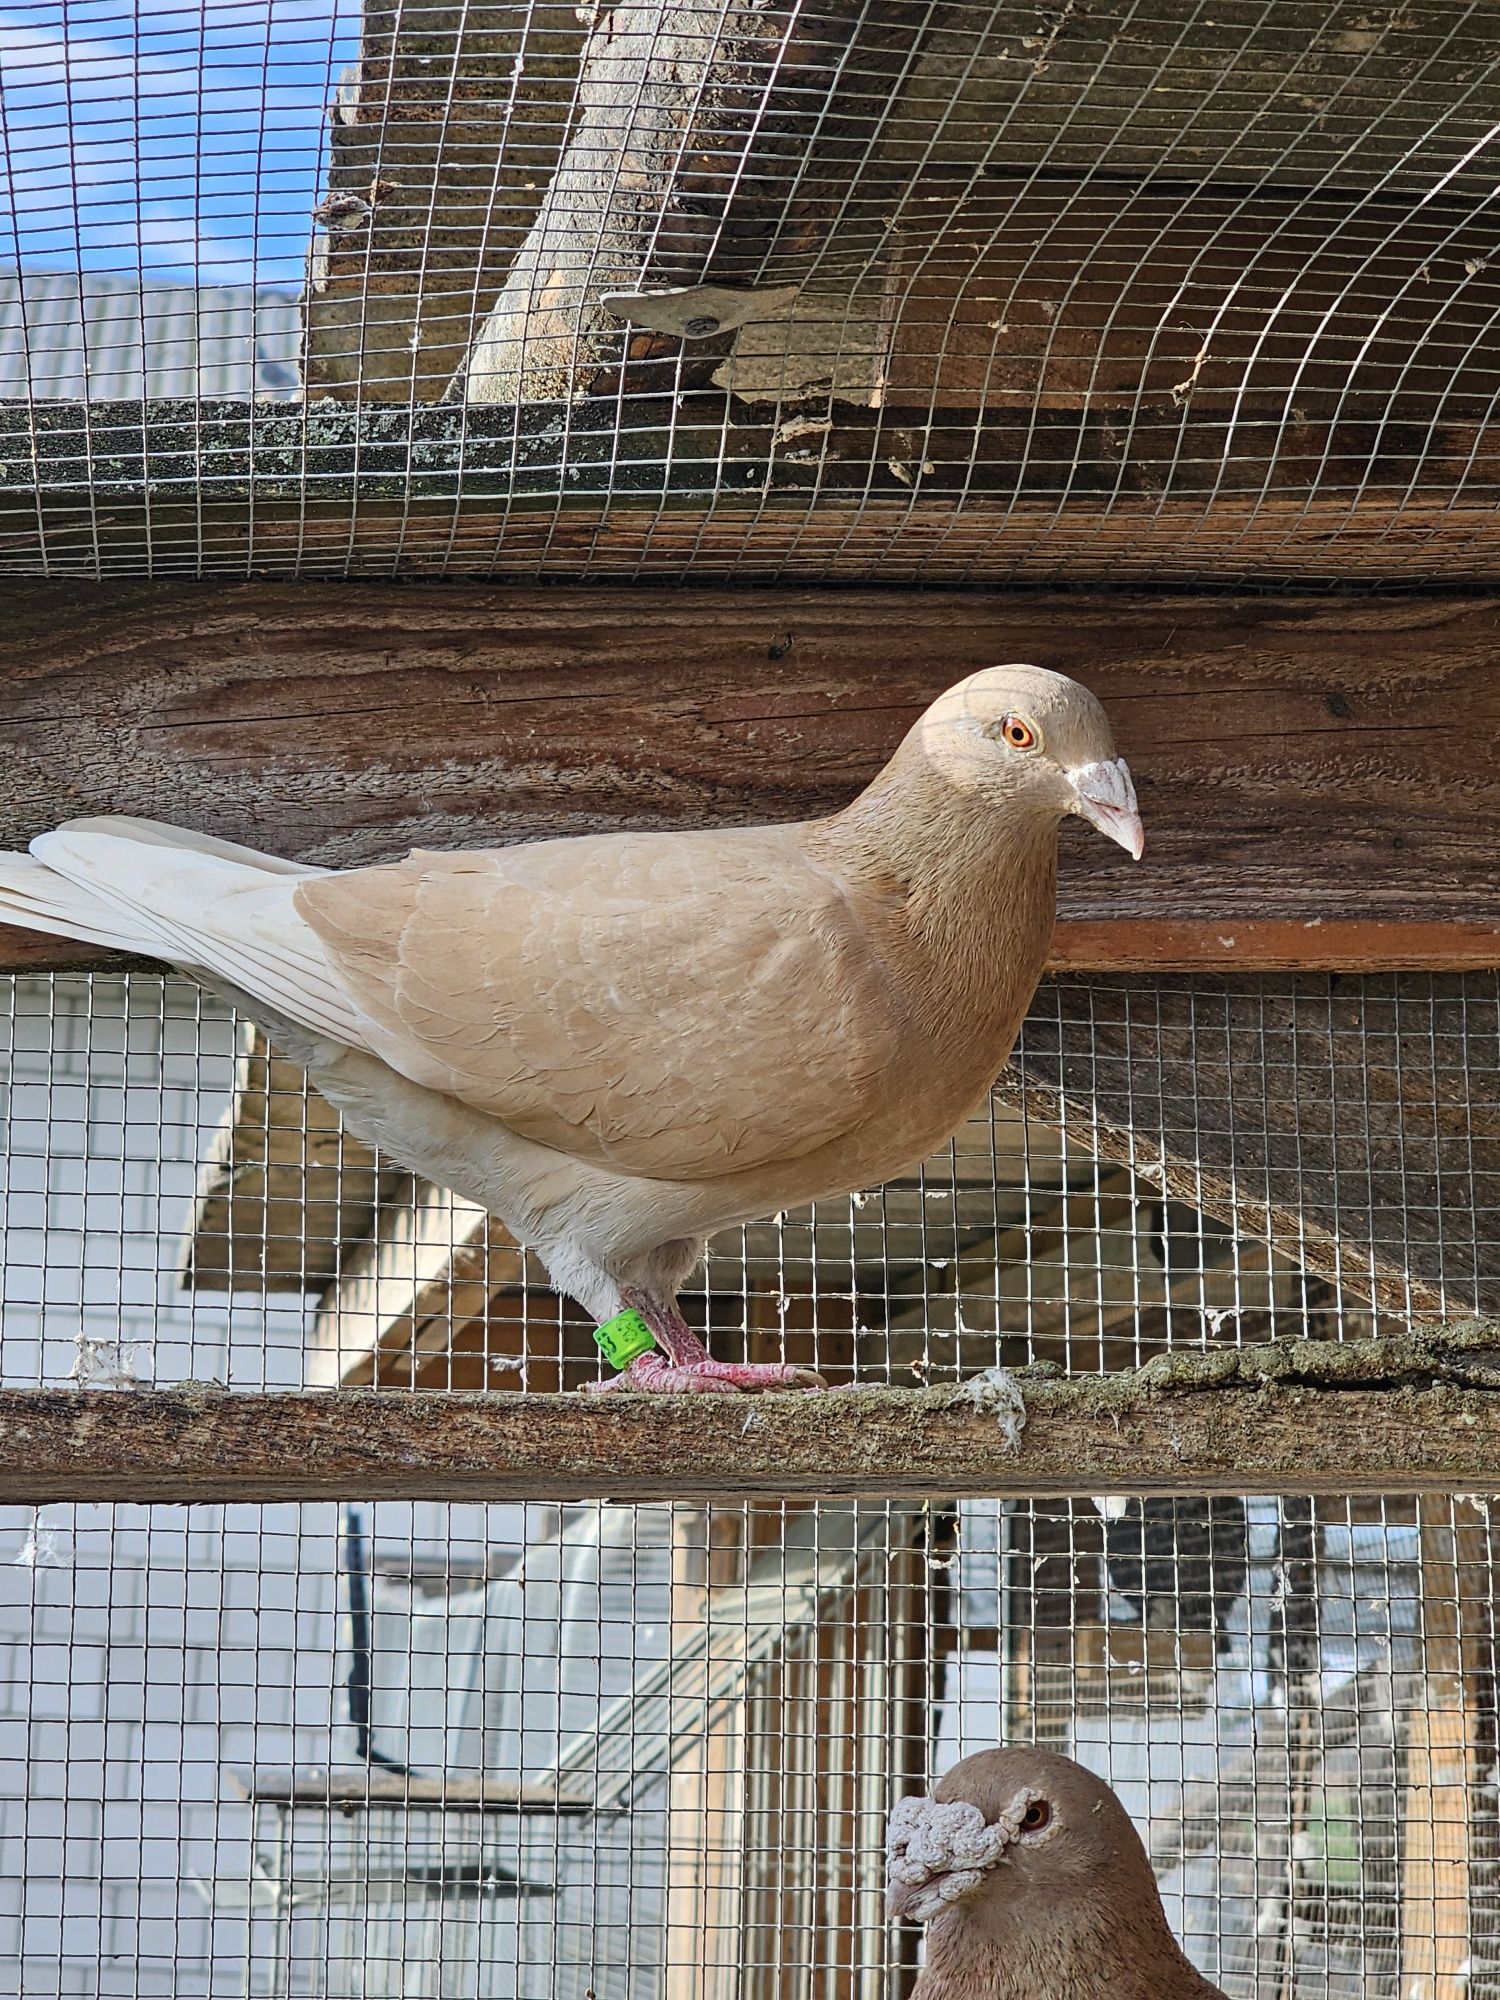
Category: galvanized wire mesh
[1168,1161]
[832,289]
[457,1750]
[635,1751]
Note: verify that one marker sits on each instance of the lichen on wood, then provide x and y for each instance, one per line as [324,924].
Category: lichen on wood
[1389,1417]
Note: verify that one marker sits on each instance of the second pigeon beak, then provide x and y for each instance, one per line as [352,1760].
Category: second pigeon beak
[899,1897]
[1106,799]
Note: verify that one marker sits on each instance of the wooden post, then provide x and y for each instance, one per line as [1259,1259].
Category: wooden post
[1445,1754]
[706,1786]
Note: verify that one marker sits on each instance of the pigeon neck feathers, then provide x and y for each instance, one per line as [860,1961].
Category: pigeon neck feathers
[960,886]
[1084,1949]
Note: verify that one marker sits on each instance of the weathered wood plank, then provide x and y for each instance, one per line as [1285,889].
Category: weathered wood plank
[1259,319]
[1284,94]
[782,529]
[1306,766]
[1337,945]
[706,485]
[187,1446]
[1183,308]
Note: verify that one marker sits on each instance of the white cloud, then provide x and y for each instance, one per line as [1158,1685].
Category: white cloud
[168,133]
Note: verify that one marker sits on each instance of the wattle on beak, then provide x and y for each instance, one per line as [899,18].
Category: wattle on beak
[1106,799]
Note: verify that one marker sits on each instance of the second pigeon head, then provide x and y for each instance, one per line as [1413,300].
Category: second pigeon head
[1019,731]
[1033,1882]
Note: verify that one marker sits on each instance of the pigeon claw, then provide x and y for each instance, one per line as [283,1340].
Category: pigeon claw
[653,1374]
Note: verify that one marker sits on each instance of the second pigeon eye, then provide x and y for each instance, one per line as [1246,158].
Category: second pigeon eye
[1037,1815]
[1018,733]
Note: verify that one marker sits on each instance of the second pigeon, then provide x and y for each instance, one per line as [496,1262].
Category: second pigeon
[1033,1885]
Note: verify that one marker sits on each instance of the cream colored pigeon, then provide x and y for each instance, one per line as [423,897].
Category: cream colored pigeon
[1034,1885]
[620,1043]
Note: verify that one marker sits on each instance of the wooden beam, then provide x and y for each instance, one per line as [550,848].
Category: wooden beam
[1307,766]
[1317,1417]
[1447,1733]
[1312,95]
[711,143]
[681,482]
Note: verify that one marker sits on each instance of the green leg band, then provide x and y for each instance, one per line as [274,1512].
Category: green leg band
[623,1338]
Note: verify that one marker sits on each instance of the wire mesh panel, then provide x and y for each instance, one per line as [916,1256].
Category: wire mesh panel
[438,1751]
[647,1751]
[834,288]
[641,1750]
[1167,1162]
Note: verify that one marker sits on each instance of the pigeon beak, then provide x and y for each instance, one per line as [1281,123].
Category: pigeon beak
[1106,799]
[899,1897]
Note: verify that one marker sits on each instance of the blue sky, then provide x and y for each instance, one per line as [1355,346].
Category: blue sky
[180,141]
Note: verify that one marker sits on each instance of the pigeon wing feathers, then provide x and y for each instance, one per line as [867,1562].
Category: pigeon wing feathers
[667,1006]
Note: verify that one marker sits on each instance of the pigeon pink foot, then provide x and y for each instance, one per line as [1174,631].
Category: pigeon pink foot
[686,1368]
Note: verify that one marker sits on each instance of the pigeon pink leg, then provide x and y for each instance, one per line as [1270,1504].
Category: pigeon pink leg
[685,1366]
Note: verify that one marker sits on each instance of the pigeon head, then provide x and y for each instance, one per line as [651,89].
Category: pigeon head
[1019,733]
[1034,1817]
[1026,1866]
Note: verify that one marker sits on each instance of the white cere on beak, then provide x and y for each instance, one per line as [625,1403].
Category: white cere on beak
[935,1854]
[1105,797]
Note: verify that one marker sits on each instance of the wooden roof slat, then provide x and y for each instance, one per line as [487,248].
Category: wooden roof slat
[284,1186]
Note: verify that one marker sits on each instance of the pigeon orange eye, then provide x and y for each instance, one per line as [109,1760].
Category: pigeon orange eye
[1018,733]
[1036,1816]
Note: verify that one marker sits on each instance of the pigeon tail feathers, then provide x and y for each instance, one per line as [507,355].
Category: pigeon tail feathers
[211,907]
[36,898]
